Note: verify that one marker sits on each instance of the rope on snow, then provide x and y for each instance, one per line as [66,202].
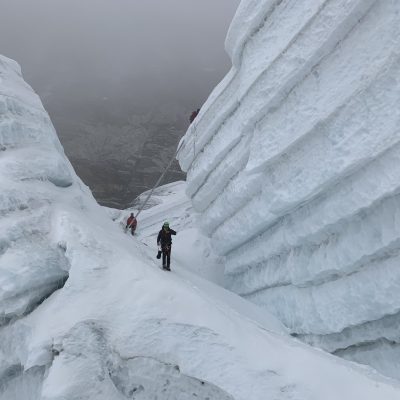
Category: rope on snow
[173,158]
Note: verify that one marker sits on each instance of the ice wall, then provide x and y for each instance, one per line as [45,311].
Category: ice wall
[294,165]
[34,175]
[119,328]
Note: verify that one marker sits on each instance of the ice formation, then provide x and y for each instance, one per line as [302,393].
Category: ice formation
[294,165]
[33,176]
[86,313]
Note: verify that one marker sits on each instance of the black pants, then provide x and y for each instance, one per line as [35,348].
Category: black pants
[166,256]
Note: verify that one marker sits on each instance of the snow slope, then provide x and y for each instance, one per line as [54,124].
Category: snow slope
[294,166]
[115,326]
[190,247]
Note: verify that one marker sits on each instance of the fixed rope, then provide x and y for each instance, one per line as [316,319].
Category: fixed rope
[173,158]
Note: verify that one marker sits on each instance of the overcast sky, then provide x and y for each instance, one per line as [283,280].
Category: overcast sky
[159,49]
[119,78]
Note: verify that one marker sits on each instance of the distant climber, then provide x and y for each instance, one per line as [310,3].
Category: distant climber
[131,224]
[164,241]
[194,115]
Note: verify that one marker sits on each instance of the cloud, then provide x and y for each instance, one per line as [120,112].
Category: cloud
[155,47]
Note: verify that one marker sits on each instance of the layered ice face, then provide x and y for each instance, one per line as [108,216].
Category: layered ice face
[294,164]
[34,173]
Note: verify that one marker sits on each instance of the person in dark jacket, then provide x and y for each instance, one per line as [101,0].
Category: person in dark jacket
[194,115]
[164,240]
[131,223]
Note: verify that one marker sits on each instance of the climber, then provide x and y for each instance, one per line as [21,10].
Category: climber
[194,115]
[164,241]
[131,223]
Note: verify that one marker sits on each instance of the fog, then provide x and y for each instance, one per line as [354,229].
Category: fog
[99,64]
[162,47]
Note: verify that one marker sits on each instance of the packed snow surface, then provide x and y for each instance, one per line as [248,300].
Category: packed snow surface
[294,166]
[88,314]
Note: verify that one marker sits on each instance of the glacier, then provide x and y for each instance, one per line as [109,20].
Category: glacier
[293,166]
[86,312]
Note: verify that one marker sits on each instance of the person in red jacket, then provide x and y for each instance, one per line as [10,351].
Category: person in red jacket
[131,224]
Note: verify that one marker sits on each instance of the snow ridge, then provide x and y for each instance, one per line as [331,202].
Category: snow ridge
[294,166]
